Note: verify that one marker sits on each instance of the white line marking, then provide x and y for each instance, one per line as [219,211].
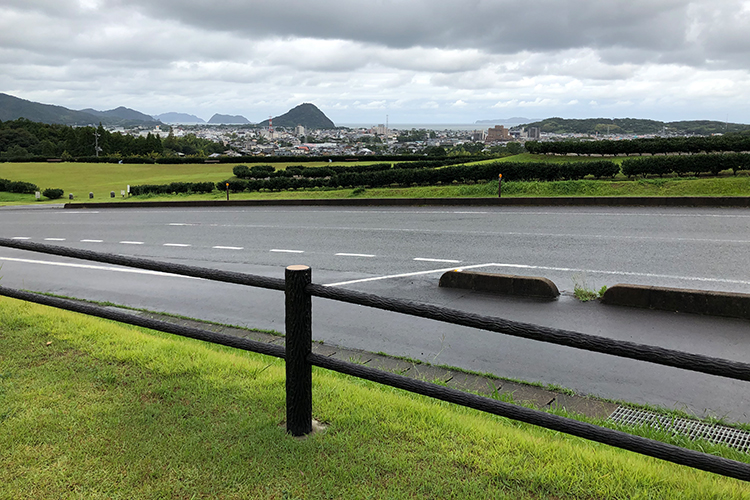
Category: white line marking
[177,245]
[92,241]
[470,212]
[20,238]
[280,250]
[54,239]
[99,268]
[405,275]
[445,261]
[180,224]
[355,255]
[228,248]
[132,242]
[625,273]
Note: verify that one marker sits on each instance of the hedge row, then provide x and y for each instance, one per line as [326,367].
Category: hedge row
[659,145]
[686,165]
[175,187]
[18,187]
[424,176]
[265,171]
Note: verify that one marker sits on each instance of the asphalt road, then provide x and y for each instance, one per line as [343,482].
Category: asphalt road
[401,252]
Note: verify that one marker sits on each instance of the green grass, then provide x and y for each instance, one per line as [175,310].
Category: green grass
[101,179]
[92,409]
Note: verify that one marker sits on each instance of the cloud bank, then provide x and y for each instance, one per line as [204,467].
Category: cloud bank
[437,61]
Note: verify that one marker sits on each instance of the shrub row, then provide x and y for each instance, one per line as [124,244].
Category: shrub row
[432,176]
[659,145]
[686,165]
[18,187]
[174,187]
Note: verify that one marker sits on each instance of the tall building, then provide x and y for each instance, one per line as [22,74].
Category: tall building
[534,133]
[498,133]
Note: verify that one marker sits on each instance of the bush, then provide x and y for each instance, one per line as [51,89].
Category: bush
[241,171]
[53,194]
[21,187]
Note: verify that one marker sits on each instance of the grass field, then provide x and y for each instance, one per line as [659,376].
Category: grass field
[101,179]
[92,409]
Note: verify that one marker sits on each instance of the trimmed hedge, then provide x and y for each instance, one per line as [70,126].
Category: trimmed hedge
[432,176]
[686,165]
[174,187]
[658,145]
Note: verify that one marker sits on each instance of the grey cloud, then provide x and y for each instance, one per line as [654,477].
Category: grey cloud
[502,26]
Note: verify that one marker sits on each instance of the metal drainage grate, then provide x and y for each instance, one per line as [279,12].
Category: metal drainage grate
[718,434]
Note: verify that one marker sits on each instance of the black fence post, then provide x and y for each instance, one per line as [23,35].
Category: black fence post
[298,347]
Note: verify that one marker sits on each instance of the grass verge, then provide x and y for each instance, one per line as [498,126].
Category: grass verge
[92,409]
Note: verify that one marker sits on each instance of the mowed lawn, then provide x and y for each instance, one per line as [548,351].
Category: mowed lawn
[93,409]
[102,178]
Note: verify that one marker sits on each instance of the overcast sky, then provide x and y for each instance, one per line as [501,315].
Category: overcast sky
[417,61]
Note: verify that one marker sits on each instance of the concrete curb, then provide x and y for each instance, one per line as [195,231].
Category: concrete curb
[635,201]
[733,305]
[506,284]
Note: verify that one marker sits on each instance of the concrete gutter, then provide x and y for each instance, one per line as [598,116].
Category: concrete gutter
[634,201]
[733,305]
[505,284]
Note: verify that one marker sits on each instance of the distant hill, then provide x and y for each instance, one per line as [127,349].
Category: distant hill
[123,116]
[306,115]
[12,108]
[179,118]
[634,126]
[218,119]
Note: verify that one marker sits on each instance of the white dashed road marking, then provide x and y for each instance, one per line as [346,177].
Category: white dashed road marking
[54,239]
[20,238]
[228,248]
[444,261]
[132,242]
[279,250]
[177,245]
[355,255]
[92,241]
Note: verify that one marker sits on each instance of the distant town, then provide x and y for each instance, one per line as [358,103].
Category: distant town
[244,140]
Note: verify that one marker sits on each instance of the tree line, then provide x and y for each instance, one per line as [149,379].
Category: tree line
[24,139]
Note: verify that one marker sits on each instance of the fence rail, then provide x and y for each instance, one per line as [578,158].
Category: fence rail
[297,352]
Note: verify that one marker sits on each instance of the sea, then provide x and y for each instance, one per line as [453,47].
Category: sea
[425,126]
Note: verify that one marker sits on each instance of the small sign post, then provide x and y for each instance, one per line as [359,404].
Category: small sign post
[227,191]
[499,185]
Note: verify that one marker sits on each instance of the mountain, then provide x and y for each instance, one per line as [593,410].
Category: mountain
[306,115]
[12,108]
[508,122]
[122,114]
[218,119]
[634,126]
[179,119]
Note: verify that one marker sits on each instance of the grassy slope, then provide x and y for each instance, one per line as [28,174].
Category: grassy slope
[100,179]
[91,409]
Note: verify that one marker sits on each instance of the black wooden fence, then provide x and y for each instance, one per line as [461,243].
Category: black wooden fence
[299,290]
